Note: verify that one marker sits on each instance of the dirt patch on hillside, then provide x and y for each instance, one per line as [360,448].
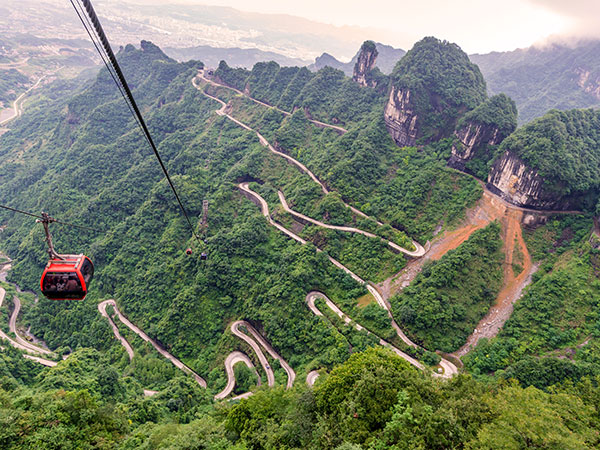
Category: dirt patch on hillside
[487,209]
[513,284]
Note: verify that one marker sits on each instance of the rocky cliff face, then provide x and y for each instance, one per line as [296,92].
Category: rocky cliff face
[589,82]
[470,138]
[400,117]
[513,180]
[432,87]
[364,64]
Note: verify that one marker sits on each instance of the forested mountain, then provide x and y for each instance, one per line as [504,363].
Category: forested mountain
[431,88]
[237,57]
[387,58]
[554,76]
[559,153]
[425,237]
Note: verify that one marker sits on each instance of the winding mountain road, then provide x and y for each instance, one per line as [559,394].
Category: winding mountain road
[255,338]
[176,362]
[310,300]
[256,198]
[311,377]
[12,326]
[42,361]
[22,344]
[393,245]
[232,359]
[102,308]
[235,329]
[17,110]
[318,123]
[419,249]
[449,369]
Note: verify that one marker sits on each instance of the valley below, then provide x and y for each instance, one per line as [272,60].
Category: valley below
[344,286]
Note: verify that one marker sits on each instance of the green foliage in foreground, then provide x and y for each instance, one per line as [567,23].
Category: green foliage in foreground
[373,401]
[445,302]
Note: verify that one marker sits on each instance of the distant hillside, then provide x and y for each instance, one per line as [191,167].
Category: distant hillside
[386,60]
[236,57]
[540,79]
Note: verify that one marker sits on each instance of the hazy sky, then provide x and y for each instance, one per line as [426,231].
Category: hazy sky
[476,25]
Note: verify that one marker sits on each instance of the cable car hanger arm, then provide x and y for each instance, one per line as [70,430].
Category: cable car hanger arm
[45,221]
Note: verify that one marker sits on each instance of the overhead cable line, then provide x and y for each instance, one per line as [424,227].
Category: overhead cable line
[37,216]
[121,83]
[85,21]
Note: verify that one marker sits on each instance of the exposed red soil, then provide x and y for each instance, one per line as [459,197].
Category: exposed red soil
[487,209]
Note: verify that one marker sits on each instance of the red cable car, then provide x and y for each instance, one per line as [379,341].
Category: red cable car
[67,278]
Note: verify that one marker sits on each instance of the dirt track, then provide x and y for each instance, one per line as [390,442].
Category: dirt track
[489,208]
[513,286]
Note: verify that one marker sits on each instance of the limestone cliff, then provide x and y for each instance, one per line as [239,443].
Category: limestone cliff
[552,162]
[432,86]
[470,138]
[479,131]
[513,180]
[516,182]
[367,56]
[400,118]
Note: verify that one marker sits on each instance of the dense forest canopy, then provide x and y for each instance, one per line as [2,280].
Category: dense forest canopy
[443,83]
[499,111]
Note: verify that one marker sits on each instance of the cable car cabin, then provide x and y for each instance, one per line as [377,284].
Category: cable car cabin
[68,278]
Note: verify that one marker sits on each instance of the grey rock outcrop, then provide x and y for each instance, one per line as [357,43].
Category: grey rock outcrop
[588,82]
[470,138]
[365,63]
[400,118]
[512,179]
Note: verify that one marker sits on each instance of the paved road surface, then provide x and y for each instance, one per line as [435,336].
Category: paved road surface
[312,377]
[254,340]
[176,362]
[17,111]
[102,308]
[318,123]
[419,250]
[232,359]
[20,346]
[265,210]
[310,300]
[256,348]
[12,326]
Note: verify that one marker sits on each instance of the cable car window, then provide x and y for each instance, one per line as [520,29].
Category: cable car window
[87,270]
[63,285]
